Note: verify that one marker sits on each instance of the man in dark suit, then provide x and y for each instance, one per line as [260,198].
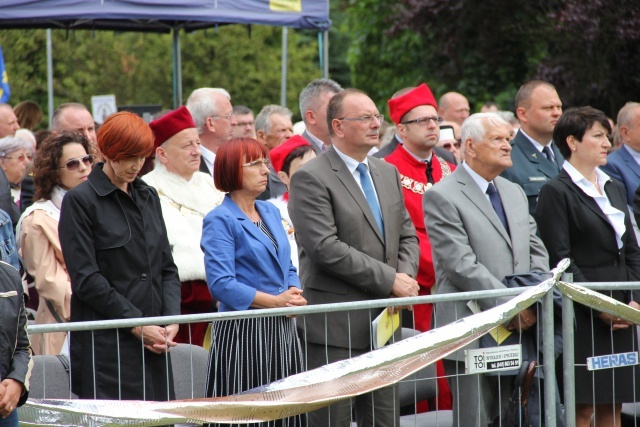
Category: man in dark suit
[624,163]
[273,127]
[356,242]
[535,158]
[480,231]
[313,107]
[395,141]
[212,113]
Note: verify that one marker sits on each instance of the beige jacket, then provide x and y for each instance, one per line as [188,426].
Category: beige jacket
[40,250]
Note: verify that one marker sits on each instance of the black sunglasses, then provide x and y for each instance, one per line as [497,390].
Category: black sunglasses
[73,164]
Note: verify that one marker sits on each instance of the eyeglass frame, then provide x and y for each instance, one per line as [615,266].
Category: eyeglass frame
[23,156]
[456,144]
[426,120]
[78,159]
[367,118]
[258,162]
[224,116]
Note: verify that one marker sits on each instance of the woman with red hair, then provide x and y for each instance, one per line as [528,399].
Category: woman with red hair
[248,265]
[115,246]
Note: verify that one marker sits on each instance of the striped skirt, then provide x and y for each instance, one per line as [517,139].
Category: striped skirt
[249,353]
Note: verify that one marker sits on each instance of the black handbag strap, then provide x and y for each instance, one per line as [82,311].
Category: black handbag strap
[53,311]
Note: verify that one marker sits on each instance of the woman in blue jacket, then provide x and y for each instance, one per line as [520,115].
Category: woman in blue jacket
[248,265]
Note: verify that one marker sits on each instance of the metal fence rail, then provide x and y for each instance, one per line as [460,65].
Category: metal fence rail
[546,321]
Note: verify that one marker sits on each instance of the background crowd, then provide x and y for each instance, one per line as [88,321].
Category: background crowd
[210,208]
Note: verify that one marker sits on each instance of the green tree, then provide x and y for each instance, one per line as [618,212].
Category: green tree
[138,67]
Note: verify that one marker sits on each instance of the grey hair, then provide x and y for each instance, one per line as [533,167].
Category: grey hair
[309,95]
[55,118]
[625,113]
[9,144]
[475,126]
[262,119]
[203,103]
[508,116]
[242,110]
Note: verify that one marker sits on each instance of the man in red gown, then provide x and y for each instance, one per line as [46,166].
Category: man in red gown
[416,117]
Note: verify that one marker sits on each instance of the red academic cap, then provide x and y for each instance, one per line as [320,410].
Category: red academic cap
[279,154]
[401,105]
[170,124]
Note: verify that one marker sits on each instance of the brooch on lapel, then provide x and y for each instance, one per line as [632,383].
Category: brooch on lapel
[534,155]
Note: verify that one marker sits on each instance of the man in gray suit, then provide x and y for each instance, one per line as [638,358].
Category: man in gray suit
[314,99]
[356,242]
[479,236]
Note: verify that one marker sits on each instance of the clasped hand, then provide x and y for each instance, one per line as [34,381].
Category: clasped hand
[10,392]
[616,322]
[523,321]
[403,286]
[292,297]
[157,339]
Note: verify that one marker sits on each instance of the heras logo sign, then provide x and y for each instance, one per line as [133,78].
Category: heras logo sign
[609,361]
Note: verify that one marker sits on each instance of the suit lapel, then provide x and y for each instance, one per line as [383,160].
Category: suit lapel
[345,176]
[471,190]
[558,155]
[250,227]
[629,161]
[588,201]
[545,166]
[272,224]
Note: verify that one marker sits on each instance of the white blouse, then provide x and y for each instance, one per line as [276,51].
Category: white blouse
[615,216]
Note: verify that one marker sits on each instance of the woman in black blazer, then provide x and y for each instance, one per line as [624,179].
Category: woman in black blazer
[582,214]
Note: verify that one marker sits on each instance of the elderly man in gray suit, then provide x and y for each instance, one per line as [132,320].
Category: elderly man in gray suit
[481,231]
[357,242]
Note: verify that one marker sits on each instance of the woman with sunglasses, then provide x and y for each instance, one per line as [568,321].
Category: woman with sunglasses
[248,265]
[62,163]
[114,240]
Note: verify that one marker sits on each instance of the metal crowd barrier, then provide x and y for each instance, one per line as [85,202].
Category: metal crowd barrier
[416,360]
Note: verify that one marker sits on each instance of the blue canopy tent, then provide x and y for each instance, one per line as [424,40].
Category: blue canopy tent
[168,16]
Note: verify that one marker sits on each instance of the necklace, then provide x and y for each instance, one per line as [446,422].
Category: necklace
[253,216]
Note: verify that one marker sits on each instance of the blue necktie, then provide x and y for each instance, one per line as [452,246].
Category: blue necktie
[370,194]
[497,205]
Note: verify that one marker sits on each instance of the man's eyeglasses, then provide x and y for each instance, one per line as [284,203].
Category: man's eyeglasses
[244,124]
[221,116]
[364,119]
[20,158]
[424,121]
[73,164]
[447,145]
[257,164]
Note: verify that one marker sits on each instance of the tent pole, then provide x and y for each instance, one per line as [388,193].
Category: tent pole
[283,82]
[325,53]
[50,76]
[177,69]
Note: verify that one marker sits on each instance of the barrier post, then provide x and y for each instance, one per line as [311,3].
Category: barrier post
[549,360]
[567,357]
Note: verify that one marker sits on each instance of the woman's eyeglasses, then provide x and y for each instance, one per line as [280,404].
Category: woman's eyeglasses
[73,164]
[20,158]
